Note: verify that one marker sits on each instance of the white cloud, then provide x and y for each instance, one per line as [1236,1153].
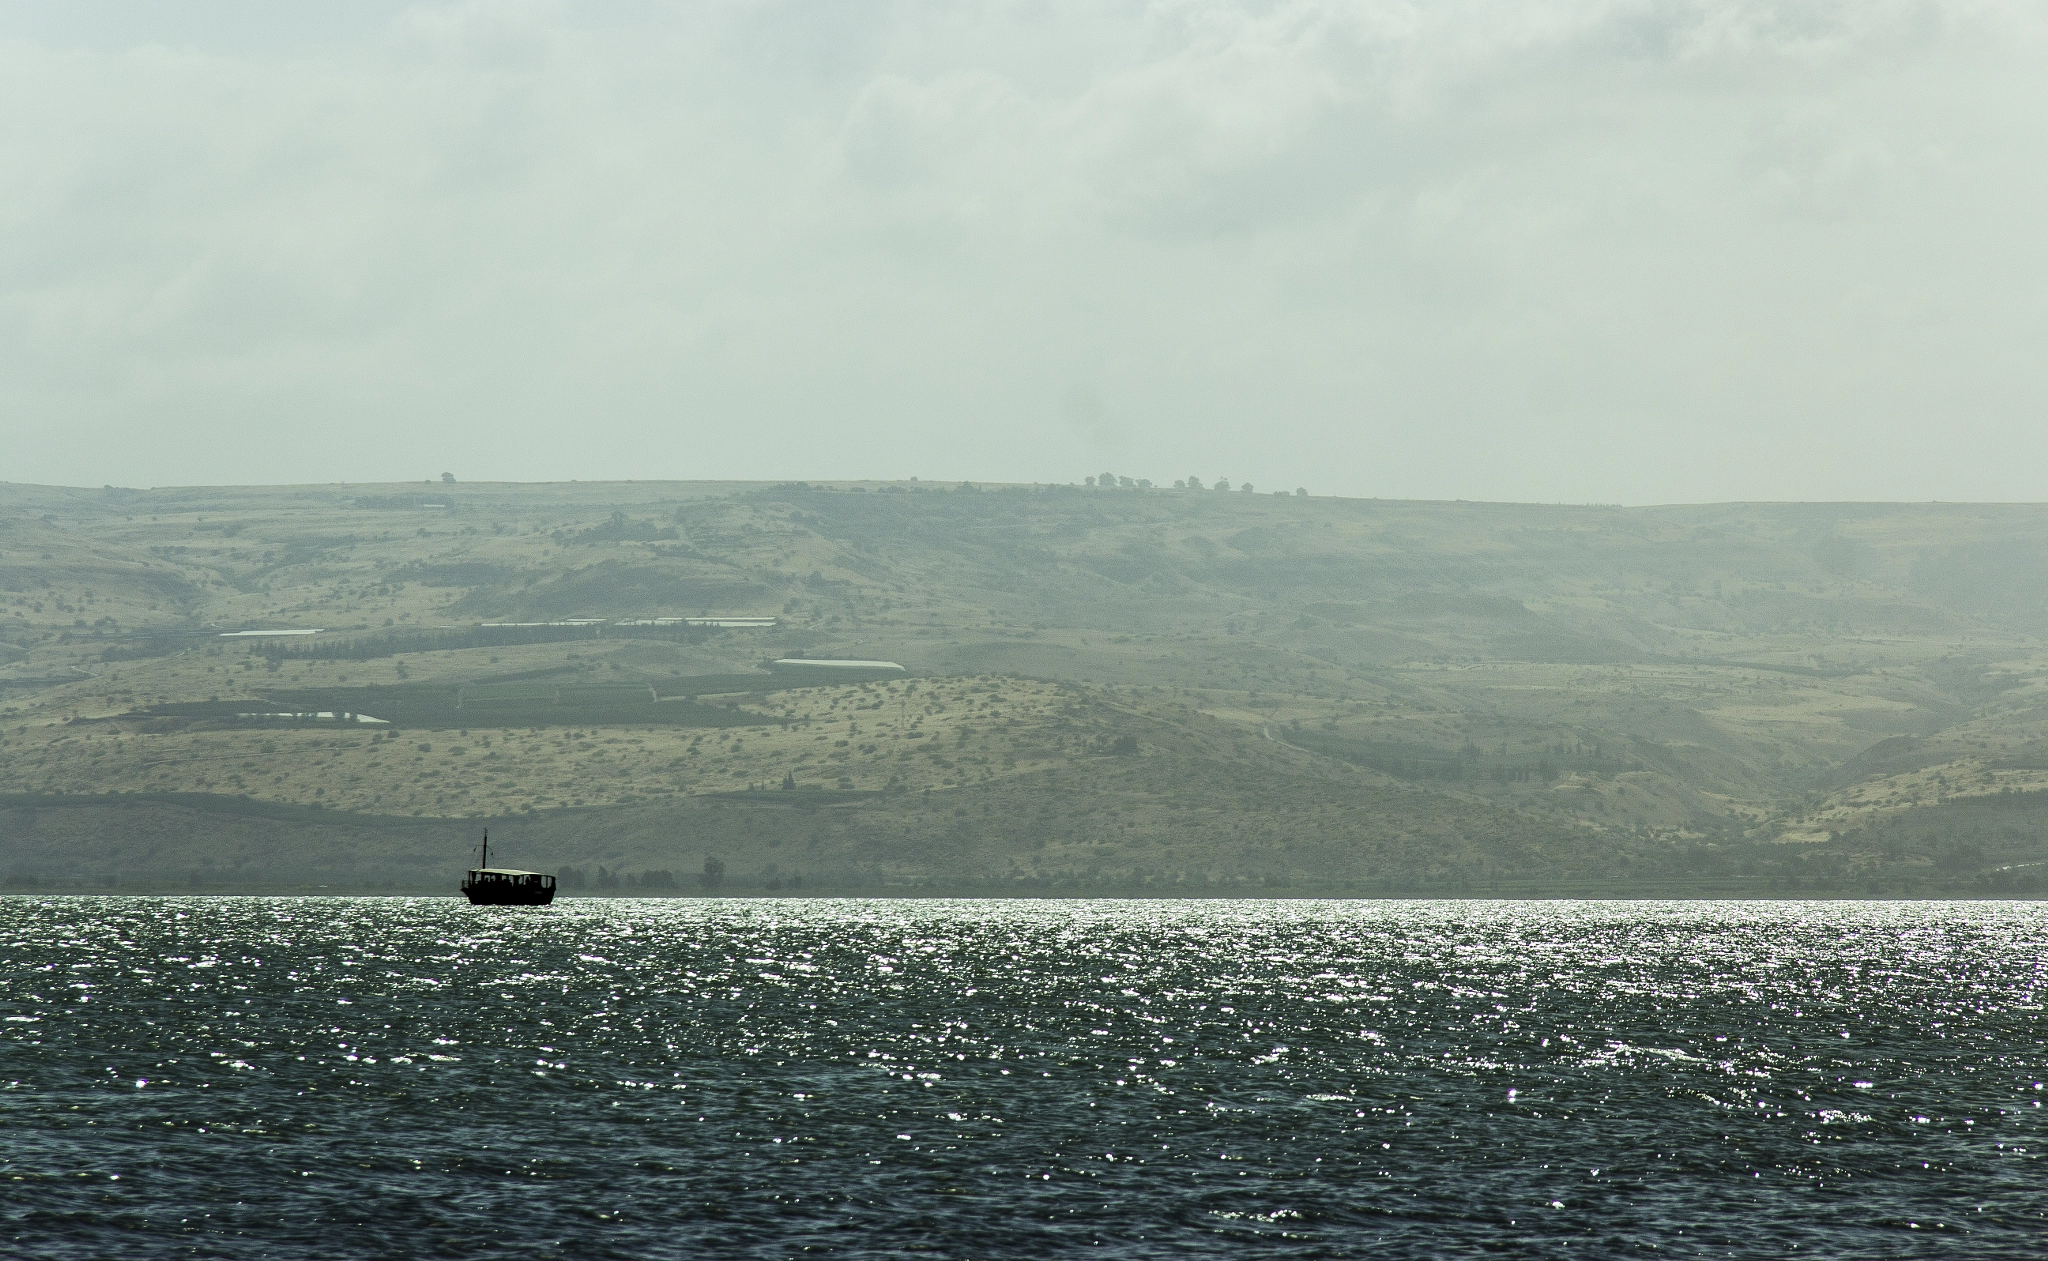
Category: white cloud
[1616,251]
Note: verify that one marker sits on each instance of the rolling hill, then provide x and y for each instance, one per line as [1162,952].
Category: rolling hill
[1103,689]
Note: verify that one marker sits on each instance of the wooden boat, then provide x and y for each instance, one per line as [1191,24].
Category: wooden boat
[486,885]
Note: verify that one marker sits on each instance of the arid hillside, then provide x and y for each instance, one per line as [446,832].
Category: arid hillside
[1159,690]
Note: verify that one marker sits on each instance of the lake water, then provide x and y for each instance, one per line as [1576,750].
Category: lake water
[249,1077]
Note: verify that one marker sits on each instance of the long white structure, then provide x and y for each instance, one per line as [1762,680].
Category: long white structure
[323,715]
[827,663]
[573,621]
[755,623]
[748,623]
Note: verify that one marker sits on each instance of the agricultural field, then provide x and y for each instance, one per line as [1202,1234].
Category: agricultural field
[1100,689]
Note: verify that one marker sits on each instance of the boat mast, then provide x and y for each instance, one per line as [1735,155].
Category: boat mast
[487,847]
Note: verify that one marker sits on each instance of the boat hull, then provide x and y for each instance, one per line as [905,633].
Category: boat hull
[485,895]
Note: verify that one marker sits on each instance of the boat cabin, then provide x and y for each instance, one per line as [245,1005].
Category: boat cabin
[506,886]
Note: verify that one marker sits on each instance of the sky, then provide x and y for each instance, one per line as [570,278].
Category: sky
[1573,251]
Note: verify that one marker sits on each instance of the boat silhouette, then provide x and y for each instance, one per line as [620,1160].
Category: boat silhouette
[486,885]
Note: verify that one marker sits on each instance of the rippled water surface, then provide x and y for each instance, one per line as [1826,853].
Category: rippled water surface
[243,1077]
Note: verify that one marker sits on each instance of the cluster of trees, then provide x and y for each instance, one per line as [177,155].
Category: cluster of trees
[577,878]
[660,881]
[619,528]
[1114,481]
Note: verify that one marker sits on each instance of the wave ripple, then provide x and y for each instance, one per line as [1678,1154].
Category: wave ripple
[245,1077]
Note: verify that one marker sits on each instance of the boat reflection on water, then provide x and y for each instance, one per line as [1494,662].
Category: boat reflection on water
[486,885]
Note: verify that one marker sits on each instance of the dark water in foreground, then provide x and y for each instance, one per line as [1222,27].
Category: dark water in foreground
[242,1077]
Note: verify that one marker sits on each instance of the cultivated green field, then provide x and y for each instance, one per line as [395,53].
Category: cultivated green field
[1112,690]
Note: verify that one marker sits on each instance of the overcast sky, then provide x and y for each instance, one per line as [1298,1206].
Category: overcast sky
[1576,250]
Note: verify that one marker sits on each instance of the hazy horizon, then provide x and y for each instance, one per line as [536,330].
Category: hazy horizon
[947,483]
[1600,252]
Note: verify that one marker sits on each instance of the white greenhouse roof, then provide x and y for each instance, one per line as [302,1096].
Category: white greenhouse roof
[827,663]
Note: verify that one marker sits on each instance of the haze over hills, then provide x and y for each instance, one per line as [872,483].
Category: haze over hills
[1169,691]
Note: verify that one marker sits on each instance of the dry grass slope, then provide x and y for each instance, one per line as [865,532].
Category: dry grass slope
[1154,690]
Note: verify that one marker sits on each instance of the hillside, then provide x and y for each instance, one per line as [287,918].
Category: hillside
[1157,690]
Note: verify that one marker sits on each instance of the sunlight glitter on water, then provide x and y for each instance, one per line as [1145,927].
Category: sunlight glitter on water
[639,1078]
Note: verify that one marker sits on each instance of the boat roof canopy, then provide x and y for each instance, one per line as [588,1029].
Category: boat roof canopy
[502,871]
